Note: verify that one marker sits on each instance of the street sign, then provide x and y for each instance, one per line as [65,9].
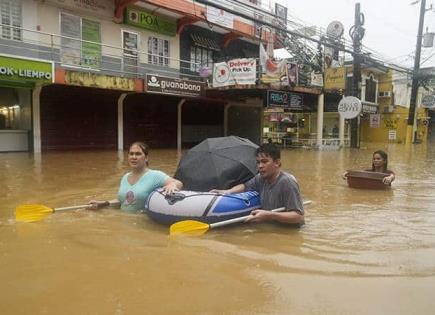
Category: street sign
[349,107]
[428,101]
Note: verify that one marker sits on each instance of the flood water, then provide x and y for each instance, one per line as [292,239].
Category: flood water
[360,252]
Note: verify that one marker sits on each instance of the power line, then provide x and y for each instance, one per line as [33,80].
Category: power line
[248,14]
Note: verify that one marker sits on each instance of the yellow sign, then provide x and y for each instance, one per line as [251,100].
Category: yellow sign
[99,81]
[335,78]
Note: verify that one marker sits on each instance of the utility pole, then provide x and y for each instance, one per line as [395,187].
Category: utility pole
[356,33]
[410,136]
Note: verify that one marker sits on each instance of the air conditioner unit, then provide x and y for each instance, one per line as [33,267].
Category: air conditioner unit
[385,94]
[388,109]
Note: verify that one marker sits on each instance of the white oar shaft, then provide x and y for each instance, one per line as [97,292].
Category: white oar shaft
[241,219]
[71,208]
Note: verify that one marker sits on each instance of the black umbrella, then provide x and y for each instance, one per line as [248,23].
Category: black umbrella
[217,163]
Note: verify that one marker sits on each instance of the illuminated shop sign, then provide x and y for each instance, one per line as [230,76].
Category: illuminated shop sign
[284,99]
[25,71]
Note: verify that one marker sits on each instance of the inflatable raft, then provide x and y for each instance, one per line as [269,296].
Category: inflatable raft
[200,206]
[366,180]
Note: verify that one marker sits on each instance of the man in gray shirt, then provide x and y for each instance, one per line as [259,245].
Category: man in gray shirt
[276,188]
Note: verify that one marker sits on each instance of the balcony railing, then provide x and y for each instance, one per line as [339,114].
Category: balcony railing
[68,52]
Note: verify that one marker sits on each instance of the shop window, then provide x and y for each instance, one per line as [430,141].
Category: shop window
[80,41]
[9,117]
[349,85]
[200,57]
[11,15]
[130,42]
[370,92]
[158,51]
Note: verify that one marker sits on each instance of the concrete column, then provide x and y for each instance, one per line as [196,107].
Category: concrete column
[179,123]
[341,130]
[36,113]
[121,121]
[320,105]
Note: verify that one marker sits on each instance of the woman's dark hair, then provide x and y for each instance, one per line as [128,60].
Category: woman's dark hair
[269,149]
[384,156]
[141,145]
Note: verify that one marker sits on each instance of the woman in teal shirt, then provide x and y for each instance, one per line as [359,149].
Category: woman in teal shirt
[136,185]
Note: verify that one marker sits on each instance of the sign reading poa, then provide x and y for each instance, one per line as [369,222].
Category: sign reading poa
[349,107]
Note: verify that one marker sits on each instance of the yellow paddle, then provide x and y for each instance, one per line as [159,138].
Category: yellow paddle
[35,212]
[192,227]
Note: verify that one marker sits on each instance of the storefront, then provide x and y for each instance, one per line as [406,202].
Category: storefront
[18,79]
[183,115]
[287,117]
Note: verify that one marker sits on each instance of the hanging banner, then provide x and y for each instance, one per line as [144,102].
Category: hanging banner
[91,49]
[335,78]
[234,72]
[316,79]
[292,74]
[272,72]
[375,120]
[220,17]
[70,50]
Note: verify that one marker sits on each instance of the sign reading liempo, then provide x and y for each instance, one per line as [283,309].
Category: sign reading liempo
[349,107]
[25,71]
[165,85]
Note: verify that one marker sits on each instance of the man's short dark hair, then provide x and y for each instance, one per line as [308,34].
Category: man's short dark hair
[269,149]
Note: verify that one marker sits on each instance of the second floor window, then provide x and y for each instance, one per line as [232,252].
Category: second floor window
[200,57]
[10,15]
[158,51]
[370,94]
[80,42]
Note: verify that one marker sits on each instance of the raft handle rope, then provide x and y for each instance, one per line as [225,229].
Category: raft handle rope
[176,196]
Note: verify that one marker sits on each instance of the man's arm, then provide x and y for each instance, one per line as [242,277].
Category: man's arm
[233,190]
[288,217]
[290,198]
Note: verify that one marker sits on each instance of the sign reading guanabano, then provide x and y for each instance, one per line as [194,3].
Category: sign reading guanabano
[165,85]
[143,19]
[25,71]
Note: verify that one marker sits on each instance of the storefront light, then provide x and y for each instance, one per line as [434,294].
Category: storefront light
[266,129]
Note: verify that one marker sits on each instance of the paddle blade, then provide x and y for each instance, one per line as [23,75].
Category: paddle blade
[189,227]
[31,212]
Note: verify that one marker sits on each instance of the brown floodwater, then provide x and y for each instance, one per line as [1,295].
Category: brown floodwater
[360,252]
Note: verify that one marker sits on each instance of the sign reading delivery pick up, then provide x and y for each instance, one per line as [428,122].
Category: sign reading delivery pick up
[25,72]
[349,107]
